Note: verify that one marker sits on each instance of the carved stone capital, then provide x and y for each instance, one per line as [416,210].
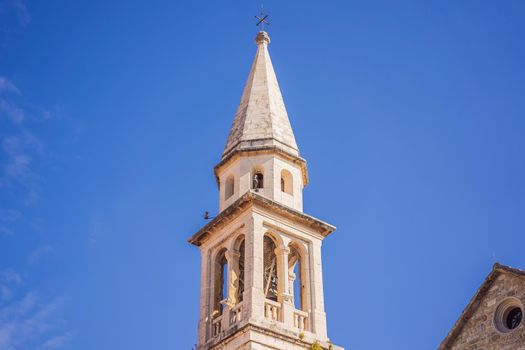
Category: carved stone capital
[282,250]
[231,256]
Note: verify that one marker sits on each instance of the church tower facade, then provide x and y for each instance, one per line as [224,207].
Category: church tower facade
[261,280]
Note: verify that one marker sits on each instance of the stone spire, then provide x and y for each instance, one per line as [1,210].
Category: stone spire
[261,121]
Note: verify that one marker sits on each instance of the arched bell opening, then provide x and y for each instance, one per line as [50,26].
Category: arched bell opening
[297,282]
[238,268]
[220,286]
[257,179]
[270,279]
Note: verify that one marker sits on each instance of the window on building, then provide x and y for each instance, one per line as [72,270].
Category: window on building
[238,271]
[229,187]
[514,318]
[286,182]
[258,181]
[221,283]
[240,289]
[508,315]
[295,274]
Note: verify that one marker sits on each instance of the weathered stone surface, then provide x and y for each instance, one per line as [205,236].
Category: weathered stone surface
[477,328]
[261,119]
[261,274]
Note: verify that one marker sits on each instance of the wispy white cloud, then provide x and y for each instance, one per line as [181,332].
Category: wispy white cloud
[21,12]
[7,86]
[7,218]
[40,252]
[20,146]
[18,150]
[14,18]
[10,276]
[16,9]
[11,111]
[58,341]
[28,320]
[9,215]
[8,279]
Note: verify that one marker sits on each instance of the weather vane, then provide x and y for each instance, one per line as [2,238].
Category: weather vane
[261,19]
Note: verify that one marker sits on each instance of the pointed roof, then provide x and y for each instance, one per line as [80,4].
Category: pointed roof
[475,302]
[261,120]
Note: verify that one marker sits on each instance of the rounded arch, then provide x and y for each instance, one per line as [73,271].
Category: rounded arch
[300,246]
[238,268]
[298,275]
[278,240]
[229,187]
[220,278]
[257,178]
[286,181]
[270,273]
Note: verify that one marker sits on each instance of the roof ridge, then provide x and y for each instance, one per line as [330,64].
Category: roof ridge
[474,302]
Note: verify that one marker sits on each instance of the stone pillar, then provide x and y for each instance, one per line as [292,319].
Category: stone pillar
[317,296]
[306,296]
[233,276]
[283,286]
[282,273]
[253,269]
[204,321]
[291,281]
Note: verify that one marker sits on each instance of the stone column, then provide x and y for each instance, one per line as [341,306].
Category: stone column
[204,321]
[253,269]
[291,281]
[306,287]
[283,286]
[282,273]
[233,276]
[317,296]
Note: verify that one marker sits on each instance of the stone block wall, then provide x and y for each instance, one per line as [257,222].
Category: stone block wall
[480,331]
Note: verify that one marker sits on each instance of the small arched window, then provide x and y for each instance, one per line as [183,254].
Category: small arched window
[258,180]
[286,182]
[221,283]
[229,187]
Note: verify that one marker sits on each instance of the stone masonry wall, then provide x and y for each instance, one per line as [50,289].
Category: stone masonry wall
[480,333]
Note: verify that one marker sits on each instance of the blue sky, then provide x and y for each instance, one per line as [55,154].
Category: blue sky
[411,115]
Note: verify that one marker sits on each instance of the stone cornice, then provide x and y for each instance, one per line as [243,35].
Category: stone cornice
[250,326]
[250,199]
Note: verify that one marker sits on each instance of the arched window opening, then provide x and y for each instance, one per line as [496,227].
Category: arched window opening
[296,280]
[286,182]
[229,188]
[270,269]
[238,271]
[221,283]
[258,180]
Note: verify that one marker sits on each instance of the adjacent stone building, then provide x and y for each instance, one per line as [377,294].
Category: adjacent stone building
[493,320]
[261,281]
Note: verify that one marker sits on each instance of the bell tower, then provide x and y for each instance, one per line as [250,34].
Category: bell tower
[261,280]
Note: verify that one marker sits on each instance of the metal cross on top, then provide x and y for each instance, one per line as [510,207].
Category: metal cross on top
[261,19]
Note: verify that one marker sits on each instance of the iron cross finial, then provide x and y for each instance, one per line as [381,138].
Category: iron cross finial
[261,19]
